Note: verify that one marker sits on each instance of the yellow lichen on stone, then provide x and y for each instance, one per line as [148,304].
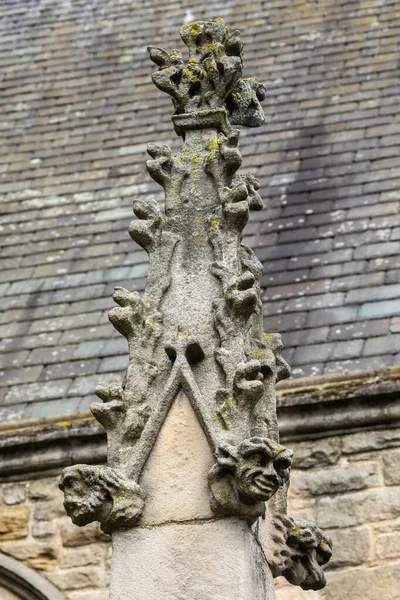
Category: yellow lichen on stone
[193,78]
[212,143]
[214,224]
[256,353]
[227,404]
[296,529]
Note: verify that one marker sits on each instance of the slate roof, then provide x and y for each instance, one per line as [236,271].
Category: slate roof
[77,110]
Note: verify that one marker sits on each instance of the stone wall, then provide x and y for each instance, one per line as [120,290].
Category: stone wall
[35,529]
[348,484]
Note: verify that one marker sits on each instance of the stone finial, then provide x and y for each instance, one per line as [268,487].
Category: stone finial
[198,327]
[211,78]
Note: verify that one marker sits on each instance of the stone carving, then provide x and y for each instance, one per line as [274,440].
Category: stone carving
[299,549]
[247,475]
[98,493]
[199,324]
[309,549]
[212,77]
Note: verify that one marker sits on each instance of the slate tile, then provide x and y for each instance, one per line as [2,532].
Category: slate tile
[308,370]
[114,364]
[37,391]
[362,329]
[305,337]
[49,408]
[365,280]
[284,277]
[332,316]
[377,310]
[20,375]
[382,292]
[10,360]
[14,412]
[313,354]
[82,386]
[314,302]
[117,345]
[297,289]
[358,364]
[287,322]
[89,349]
[74,336]
[388,344]
[64,323]
[395,325]
[70,369]
[50,355]
[347,349]
[377,250]
[313,260]
[384,262]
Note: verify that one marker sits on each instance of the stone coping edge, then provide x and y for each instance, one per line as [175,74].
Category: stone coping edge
[341,404]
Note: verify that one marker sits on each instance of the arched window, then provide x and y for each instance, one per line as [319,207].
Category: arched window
[18,582]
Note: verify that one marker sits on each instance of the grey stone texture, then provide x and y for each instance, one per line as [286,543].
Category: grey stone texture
[178,561]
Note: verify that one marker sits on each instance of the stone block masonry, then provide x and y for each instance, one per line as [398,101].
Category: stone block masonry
[366,563]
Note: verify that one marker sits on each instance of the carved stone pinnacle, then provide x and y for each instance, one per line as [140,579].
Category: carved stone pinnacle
[198,327]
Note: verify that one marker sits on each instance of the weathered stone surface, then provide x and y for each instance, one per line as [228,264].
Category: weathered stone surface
[44,529]
[13,522]
[322,453]
[178,561]
[44,489]
[81,557]
[391,467]
[198,328]
[354,546]
[38,555]
[78,578]
[90,595]
[357,508]
[47,511]
[198,325]
[99,493]
[364,584]
[387,546]
[14,494]
[347,478]
[73,536]
[175,476]
[286,592]
[371,440]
